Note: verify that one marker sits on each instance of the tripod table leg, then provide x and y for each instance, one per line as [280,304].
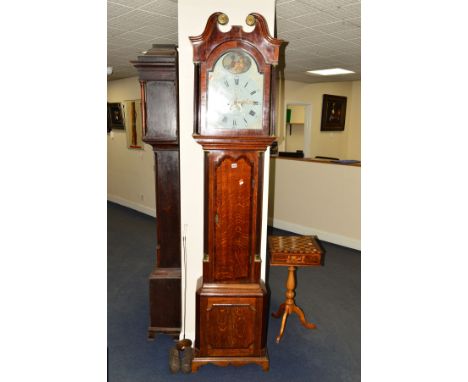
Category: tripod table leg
[301,315]
[280,311]
[283,324]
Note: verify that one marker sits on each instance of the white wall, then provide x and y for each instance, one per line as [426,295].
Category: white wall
[295,137]
[316,198]
[297,113]
[354,133]
[192,17]
[130,173]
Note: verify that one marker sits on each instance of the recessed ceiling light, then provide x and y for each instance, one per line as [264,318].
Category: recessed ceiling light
[330,72]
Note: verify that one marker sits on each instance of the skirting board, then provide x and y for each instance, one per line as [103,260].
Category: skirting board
[325,236]
[134,206]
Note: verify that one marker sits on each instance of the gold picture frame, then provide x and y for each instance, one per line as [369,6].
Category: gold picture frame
[132,117]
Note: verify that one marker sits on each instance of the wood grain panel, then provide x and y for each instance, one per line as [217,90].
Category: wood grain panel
[233,326]
[164,301]
[168,208]
[161,113]
[233,218]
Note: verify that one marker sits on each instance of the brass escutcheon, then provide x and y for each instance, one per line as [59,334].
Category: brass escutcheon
[223,19]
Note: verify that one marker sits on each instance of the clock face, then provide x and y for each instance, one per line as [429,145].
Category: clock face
[235,93]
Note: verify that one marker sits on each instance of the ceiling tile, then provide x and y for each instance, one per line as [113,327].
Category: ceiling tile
[356,21]
[347,11]
[291,35]
[162,7]
[133,3]
[349,34]
[285,25]
[131,20]
[311,20]
[114,31]
[339,45]
[338,26]
[118,40]
[356,41]
[158,30]
[134,36]
[294,9]
[297,44]
[315,37]
[115,10]
[328,4]
[321,51]
[346,58]
[162,21]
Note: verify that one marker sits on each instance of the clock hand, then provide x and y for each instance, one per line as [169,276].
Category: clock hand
[247,101]
[235,105]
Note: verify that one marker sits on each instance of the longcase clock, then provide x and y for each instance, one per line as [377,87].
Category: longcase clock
[234,75]
[158,77]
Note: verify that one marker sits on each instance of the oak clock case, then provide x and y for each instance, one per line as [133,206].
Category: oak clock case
[234,75]
[158,77]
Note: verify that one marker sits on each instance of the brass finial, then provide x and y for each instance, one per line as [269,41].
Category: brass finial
[223,19]
[250,20]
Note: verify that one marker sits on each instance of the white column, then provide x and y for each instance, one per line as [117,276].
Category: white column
[192,19]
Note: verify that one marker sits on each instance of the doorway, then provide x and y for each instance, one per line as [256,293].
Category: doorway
[298,128]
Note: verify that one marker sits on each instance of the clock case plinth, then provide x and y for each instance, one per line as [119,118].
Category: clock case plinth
[158,76]
[231,299]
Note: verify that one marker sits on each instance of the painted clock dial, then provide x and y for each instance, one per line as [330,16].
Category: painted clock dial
[235,93]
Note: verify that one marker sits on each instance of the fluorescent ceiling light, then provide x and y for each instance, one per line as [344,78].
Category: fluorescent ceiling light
[330,72]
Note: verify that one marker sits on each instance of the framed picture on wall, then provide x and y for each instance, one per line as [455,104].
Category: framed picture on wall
[132,117]
[114,111]
[333,113]
[109,120]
